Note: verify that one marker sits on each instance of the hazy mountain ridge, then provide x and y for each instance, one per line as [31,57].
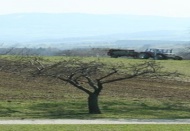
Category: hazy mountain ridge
[36,28]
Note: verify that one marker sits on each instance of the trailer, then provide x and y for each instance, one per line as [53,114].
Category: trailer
[115,53]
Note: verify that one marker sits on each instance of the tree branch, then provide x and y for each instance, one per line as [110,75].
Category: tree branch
[108,75]
[91,83]
[75,84]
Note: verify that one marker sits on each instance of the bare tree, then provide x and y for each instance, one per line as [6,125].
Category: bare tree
[90,77]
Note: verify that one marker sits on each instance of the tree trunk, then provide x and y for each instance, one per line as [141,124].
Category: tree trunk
[93,104]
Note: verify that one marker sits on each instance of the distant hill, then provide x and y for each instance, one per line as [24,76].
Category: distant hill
[46,29]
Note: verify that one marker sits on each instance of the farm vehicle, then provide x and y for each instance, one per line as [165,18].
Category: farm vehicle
[156,54]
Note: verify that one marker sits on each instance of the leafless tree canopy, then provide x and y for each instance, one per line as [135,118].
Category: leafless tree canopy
[78,70]
[75,71]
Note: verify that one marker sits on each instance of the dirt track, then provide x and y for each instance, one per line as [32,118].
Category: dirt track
[98,121]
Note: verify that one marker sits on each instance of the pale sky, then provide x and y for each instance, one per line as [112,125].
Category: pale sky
[173,8]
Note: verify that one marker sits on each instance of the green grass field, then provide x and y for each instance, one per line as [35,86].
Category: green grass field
[32,98]
[94,127]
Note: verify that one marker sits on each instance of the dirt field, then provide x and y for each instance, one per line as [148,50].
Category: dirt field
[16,87]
